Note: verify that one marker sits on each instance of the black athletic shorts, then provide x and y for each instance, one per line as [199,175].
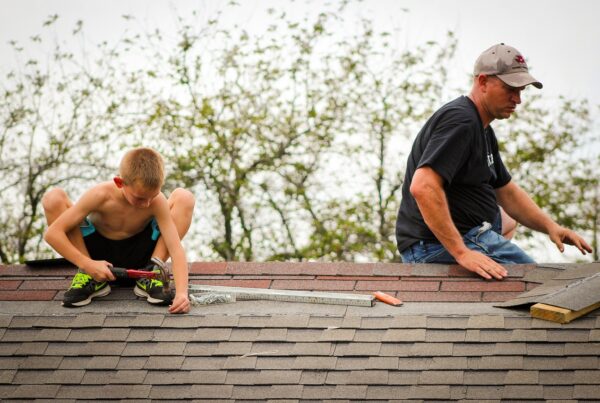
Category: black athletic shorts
[130,253]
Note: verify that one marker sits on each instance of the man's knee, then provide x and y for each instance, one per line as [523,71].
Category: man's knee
[55,201]
[183,199]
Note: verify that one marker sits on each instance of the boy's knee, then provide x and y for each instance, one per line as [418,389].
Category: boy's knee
[183,198]
[55,199]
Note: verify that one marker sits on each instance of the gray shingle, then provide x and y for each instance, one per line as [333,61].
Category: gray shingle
[542,363]
[431,349]
[104,348]
[313,377]
[557,377]
[168,392]
[272,334]
[200,349]
[212,391]
[34,348]
[5,320]
[490,362]
[162,362]
[55,321]
[484,377]
[350,392]
[86,320]
[403,335]
[180,322]
[366,377]
[582,349]
[8,349]
[585,377]
[118,321]
[74,362]
[337,335]
[179,377]
[7,375]
[212,334]
[554,393]
[447,322]
[20,322]
[263,377]
[395,349]
[484,392]
[66,349]
[357,349]
[147,321]
[595,335]
[521,377]
[322,348]
[510,349]
[529,335]
[571,335]
[388,392]
[429,392]
[519,392]
[140,334]
[233,348]
[103,362]
[318,392]
[218,321]
[53,335]
[586,392]
[544,349]
[240,363]
[203,363]
[20,335]
[134,377]
[495,336]
[315,363]
[382,363]
[132,362]
[472,349]
[420,363]
[173,334]
[36,362]
[126,391]
[324,322]
[35,391]
[287,321]
[448,362]
[266,362]
[158,348]
[261,348]
[363,335]
[254,321]
[439,335]
[486,322]
[243,334]
[403,377]
[307,335]
[441,378]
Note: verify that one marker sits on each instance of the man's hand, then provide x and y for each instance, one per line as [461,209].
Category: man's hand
[481,264]
[181,304]
[561,235]
[99,270]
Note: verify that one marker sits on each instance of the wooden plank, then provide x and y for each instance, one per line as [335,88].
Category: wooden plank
[558,314]
[313,297]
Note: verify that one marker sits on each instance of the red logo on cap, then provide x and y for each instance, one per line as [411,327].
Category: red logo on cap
[519,59]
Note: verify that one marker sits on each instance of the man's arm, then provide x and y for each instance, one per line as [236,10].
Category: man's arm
[522,208]
[168,232]
[56,236]
[427,189]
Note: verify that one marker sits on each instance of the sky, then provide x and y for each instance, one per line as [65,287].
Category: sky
[559,39]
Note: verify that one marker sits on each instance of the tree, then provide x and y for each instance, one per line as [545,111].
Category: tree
[54,132]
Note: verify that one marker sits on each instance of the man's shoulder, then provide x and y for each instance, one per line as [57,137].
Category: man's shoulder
[456,113]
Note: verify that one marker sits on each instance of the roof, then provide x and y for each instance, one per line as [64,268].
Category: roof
[447,342]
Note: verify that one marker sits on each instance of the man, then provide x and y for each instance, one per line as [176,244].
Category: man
[123,222]
[455,178]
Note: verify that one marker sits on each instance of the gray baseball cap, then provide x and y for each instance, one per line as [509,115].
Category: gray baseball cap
[506,63]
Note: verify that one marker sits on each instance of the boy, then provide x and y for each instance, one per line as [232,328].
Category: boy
[117,223]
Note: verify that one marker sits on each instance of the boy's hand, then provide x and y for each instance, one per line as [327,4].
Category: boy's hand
[99,270]
[180,304]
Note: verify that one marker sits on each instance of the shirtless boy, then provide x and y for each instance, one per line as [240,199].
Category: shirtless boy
[124,222]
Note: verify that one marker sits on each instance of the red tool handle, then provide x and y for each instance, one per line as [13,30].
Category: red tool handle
[122,273]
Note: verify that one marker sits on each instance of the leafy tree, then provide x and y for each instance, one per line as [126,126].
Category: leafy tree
[53,132]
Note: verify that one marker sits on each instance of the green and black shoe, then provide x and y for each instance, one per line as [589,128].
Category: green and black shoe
[152,290]
[83,289]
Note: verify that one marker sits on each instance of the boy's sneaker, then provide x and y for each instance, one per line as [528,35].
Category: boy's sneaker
[152,290]
[83,289]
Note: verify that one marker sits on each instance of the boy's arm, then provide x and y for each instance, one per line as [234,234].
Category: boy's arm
[56,236]
[168,231]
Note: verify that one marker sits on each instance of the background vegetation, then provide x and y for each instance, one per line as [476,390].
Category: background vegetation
[293,140]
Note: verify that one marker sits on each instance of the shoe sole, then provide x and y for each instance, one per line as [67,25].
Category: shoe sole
[143,294]
[98,294]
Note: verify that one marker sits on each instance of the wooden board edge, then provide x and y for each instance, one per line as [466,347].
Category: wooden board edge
[558,314]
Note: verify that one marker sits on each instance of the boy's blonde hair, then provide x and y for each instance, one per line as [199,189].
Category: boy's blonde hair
[144,165]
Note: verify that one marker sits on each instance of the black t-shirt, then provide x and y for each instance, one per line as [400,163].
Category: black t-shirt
[455,145]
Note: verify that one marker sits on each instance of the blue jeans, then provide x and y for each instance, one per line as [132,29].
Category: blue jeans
[484,238]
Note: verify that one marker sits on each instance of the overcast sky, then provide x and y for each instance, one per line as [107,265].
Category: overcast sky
[559,39]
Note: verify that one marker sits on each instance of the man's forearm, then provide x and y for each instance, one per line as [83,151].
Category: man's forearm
[522,208]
